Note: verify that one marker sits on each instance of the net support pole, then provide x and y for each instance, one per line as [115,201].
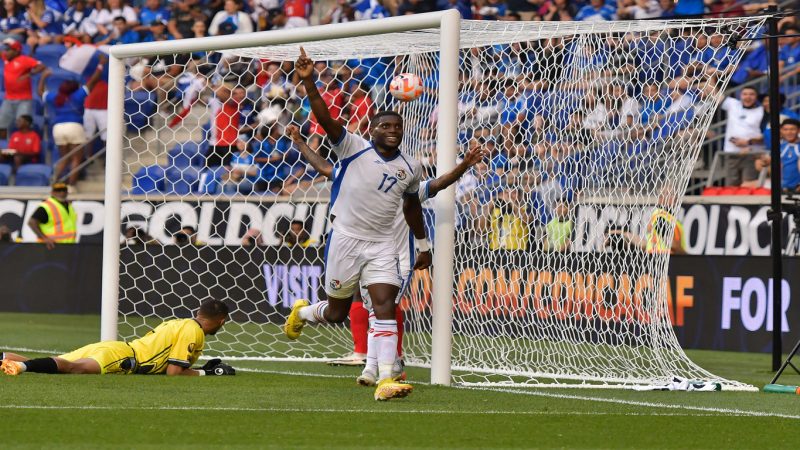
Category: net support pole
[111,231]
[775,187]
[444,236]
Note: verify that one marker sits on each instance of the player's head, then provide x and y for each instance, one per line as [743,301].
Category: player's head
[386,129]
[212,315]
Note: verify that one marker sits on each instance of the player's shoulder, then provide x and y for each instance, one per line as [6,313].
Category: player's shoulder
[352,141]
[412,163]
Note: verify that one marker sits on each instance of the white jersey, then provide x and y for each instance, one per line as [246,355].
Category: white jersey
[367,191]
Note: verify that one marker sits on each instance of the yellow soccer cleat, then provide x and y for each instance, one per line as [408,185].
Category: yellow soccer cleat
[388,389]
[294,324]
[11,367]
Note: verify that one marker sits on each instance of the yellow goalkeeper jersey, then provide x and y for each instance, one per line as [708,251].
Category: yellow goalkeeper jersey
[178,342]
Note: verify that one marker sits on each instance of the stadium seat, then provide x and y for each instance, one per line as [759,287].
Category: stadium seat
[34,175]
[139,107]
[50,54]
[761,191]
[186,154]
[711,191]
[5,174]
[210,180]
[148,179]
[744,191]
[182,181]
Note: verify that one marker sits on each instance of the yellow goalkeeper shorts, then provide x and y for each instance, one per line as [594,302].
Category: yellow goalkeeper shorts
[113,356]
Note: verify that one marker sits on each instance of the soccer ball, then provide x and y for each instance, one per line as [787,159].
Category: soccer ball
[406,87]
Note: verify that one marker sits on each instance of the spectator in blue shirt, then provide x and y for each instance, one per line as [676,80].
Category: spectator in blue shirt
[242,172]
[12,21]
[76,21]
[46,23]
[597,10]
[754,65]
[690,7]
[790,51]
[151,13]
[493,10]
[157,32]
[276,157]
[65,108]
[790,156]
[122,34]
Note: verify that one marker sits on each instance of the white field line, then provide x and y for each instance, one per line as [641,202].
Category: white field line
[344,410]
[704,410]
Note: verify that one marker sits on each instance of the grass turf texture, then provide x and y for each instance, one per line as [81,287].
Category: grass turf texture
[277,407]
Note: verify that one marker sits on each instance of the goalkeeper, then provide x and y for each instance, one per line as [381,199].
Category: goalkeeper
[170,348]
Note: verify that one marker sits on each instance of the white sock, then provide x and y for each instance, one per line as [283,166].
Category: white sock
[314,313]
[386,345]
[372,350]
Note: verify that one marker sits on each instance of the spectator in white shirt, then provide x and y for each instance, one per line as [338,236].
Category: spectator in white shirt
[742,133]
[230,20]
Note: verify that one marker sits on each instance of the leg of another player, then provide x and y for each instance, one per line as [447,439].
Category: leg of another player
[359,324]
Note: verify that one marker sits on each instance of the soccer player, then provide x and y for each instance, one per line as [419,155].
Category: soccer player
[427,190]
[373,181]
[170,348]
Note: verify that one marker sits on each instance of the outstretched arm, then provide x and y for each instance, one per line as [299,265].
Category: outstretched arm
[173,369]
[305,70]
[412,211]
[473,156]
[319,163]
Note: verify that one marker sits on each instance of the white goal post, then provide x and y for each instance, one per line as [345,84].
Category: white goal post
[447,21]
[550,257]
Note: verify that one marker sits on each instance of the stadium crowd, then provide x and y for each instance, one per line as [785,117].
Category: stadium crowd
[510,103]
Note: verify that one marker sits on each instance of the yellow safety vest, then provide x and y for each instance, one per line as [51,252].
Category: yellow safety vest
[508,232]
[655,242]
[62,222]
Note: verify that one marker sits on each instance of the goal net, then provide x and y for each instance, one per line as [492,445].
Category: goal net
[563,234]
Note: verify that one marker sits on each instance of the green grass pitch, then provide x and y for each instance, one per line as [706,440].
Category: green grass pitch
[311,405]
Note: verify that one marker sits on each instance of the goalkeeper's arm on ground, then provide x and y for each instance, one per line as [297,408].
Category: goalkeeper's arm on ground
[216,367]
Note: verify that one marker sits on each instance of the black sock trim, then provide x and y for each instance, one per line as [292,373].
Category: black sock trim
[41,365]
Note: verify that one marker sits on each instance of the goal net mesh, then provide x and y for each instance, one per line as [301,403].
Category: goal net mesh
[563,233]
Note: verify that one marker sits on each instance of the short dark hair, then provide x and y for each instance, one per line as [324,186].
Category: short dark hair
[27,118]
[122,18]
[791,121]
[751,88]
[384,113]
[213,309]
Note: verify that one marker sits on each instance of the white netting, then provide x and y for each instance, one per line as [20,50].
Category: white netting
[577,116]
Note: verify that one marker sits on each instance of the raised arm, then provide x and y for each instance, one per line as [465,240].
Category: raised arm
[473,156]
[305,70]
[319,163]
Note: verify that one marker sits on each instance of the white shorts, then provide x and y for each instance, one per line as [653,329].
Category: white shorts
[69,133]
[95,120]
[350,262]
[405,273]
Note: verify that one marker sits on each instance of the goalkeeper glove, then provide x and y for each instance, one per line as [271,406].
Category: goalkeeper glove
[217,367]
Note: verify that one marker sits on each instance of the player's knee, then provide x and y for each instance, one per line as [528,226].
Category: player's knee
[337,315]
